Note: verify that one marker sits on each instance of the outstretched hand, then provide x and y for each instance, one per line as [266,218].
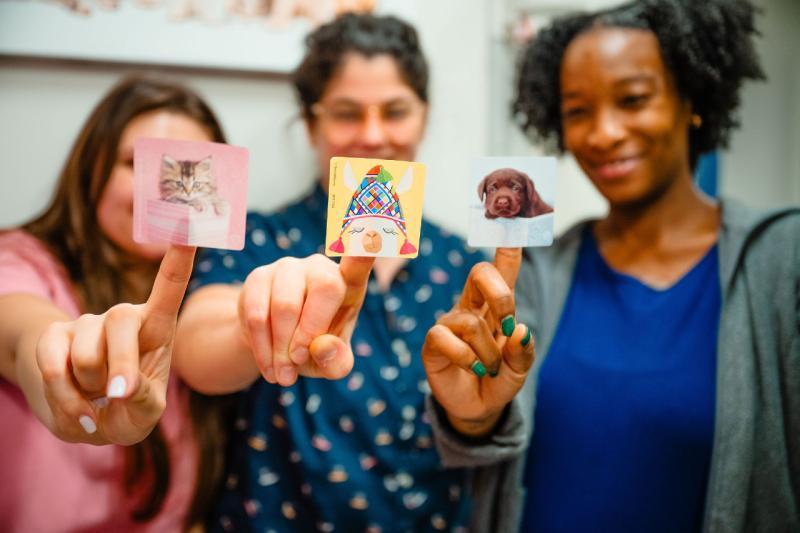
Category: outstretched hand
[480,337]
[298,316]
[105,376]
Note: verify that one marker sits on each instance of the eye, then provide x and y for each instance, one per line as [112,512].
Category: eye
[389,231]
[572,113]
[516,187]
[491,188]
[355,230]
[346,115]
[634,101]
[397,113]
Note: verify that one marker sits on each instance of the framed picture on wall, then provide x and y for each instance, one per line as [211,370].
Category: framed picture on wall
[241,35]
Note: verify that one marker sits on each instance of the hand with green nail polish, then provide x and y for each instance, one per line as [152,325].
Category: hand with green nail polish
[477,356]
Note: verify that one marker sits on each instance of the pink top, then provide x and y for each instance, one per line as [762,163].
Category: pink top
[51,485]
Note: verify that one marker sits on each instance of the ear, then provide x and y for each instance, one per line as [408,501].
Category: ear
[204,165]
[349,178]
[311,131]
[530,195]
[482,188]
[168,163]
[406,181]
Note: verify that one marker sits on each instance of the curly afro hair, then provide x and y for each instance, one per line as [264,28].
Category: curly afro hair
[707,46]
[365,34]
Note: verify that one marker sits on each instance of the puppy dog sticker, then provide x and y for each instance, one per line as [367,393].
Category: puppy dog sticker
[514,205]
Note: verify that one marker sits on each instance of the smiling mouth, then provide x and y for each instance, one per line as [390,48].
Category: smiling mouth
[615,168]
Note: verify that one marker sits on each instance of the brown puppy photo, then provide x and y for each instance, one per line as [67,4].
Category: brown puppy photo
[509,193]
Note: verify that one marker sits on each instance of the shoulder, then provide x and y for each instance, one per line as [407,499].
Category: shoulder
[20,249]
[27,266]
[767,239]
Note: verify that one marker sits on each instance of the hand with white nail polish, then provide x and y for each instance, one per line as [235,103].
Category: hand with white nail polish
[476,356]
[291,318]
[103,378]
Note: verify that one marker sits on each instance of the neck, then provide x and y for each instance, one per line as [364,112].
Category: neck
[680,210]
[386,269]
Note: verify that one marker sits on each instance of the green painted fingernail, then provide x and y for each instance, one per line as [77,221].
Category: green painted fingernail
[479,369]
[527,338]
[493,373]
[508,325]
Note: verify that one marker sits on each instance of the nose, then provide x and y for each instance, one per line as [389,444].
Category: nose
[373,132]
[607,130]
[503,201]
[372,242]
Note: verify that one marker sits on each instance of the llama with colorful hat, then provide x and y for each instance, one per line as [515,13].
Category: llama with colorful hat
[372,215]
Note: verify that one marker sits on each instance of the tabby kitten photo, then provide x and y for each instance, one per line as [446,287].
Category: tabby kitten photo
[192,183]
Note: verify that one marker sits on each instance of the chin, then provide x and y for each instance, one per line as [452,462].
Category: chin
[145,251]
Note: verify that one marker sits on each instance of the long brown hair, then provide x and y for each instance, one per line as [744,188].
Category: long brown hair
[103,275]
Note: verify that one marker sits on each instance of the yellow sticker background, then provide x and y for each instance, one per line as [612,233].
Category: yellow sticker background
[340,196]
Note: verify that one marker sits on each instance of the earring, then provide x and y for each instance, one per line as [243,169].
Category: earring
[697,121]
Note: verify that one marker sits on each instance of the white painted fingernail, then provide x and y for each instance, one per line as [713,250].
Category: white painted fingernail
[116,389]
[87,424]
[100,402]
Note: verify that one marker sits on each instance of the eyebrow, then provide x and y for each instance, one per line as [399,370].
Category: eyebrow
[634,78]
[348,101]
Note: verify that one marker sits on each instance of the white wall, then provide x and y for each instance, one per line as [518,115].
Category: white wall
[762,166]
[42,105]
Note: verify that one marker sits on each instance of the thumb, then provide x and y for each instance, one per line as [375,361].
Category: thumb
[332,356]
[518,355]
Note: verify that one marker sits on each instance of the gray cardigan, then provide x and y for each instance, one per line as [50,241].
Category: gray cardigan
[754,481]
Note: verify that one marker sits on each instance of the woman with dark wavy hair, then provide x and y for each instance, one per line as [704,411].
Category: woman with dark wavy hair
[666,394]
[352,454]
[68,375]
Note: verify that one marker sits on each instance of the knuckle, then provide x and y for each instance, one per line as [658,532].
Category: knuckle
[51,372]
[174,276]
[282,308]
[435,336]
[85,359]
[255,316]
[480,268]
[120,312]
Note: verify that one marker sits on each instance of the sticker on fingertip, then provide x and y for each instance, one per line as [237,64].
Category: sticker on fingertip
[189,193]
[374,207]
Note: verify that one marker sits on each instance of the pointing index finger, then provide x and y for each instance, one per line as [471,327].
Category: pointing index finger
[171,280]
[355,273]
[507,261]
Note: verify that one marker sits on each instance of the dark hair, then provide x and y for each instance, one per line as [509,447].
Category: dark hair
[369,35]
[103,274]
[707,47]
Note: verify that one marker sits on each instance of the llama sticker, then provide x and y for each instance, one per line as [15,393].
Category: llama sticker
[380,215]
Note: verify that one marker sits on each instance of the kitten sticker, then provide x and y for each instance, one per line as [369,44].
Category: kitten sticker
[191,193]
[374,207]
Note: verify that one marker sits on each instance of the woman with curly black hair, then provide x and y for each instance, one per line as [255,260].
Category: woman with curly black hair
[666,395]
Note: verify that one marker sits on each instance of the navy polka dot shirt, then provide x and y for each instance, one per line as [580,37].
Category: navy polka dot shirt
[355,454]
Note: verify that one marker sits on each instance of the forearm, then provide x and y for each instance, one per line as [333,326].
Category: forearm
[211,354]
[23,319]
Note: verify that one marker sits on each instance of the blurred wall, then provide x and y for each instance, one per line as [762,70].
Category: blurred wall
[43,103]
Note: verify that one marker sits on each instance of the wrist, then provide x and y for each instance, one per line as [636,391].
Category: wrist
[475,428]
